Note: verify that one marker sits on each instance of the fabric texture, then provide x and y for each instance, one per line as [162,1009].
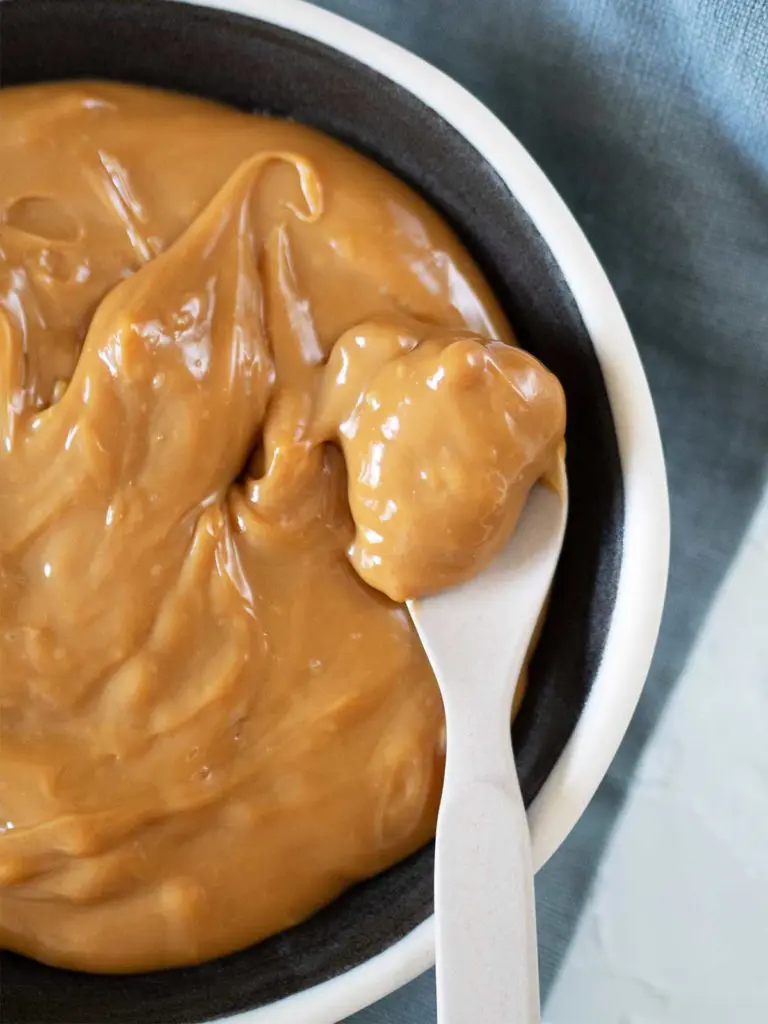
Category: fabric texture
[651,119]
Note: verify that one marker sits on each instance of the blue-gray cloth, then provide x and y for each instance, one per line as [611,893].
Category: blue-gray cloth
[651,118]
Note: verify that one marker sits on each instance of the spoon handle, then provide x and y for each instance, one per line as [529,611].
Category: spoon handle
[484,888]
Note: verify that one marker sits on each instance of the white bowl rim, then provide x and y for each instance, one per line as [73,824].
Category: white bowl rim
[642,579]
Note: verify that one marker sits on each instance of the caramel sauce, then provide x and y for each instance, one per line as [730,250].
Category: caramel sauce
[253,394]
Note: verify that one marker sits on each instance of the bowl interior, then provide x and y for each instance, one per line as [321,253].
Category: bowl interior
[256,66]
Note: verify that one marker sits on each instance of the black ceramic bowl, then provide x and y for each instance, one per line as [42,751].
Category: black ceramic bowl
[291,59]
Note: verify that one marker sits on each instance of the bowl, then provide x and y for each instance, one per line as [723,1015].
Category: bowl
[295,60]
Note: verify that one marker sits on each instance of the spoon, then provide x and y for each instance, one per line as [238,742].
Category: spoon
[476,637]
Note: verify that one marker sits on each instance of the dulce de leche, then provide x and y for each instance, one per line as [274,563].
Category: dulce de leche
[253,395]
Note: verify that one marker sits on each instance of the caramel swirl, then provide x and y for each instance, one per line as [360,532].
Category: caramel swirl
[253,393]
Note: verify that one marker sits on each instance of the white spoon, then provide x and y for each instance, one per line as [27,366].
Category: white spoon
[476,637]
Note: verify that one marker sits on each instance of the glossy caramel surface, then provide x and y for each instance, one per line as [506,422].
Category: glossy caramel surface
[247,403]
